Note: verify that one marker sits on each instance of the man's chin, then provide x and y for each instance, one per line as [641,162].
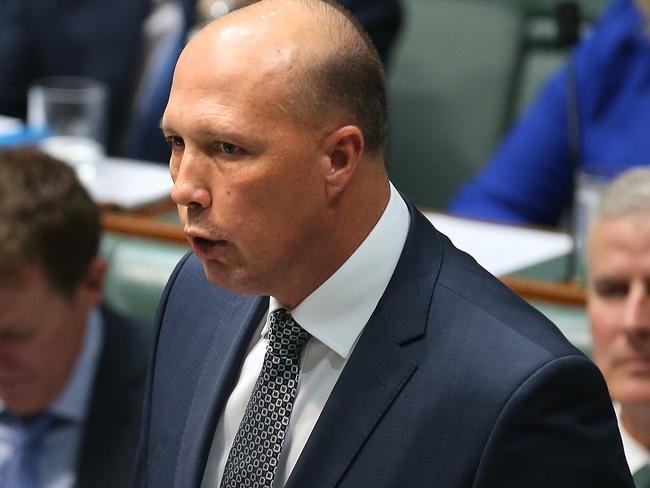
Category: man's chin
[22,404]
[632,393]
[232,280]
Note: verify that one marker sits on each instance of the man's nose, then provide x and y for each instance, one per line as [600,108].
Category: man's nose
[636,310]
[191,183]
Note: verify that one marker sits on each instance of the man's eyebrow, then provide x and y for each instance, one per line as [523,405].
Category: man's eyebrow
[610,281]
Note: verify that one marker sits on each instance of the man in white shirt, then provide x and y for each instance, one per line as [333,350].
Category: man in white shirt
[619,306]
[323,333]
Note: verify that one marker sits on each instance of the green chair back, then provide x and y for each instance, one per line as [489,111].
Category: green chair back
[589,8]
[449,88]
[137,272]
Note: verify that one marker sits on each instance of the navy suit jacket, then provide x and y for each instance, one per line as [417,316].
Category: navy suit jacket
[110,437]
[454,382]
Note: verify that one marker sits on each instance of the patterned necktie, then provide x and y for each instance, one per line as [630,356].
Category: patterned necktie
[253,457]
[642,477]
[21,469]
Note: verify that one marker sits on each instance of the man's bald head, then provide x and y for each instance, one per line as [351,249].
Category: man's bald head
[276,121]
[332,72]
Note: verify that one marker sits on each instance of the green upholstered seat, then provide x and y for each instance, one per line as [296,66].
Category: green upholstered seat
[571,320]
[589,8]
[449,88]
[537,66]
[137,271]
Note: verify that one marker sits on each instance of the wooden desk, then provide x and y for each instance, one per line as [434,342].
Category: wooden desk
[569,293]
[142,226]
[532,285]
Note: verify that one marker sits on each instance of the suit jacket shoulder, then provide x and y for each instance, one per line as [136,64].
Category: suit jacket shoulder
[457,382]
[202,333]
[110,437]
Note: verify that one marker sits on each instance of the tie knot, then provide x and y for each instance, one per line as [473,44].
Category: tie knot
[286,337]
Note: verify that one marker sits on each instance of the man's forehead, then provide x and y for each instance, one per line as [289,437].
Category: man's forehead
[241,49]
[619,243]
[218,70]
[208,109]
[626,228]
[239,89]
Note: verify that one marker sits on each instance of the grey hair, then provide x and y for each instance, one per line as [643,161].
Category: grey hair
[628,194]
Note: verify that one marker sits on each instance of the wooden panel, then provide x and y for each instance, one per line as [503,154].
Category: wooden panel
[142,226]
[570,293]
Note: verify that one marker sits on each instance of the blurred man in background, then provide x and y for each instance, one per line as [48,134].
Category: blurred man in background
[71,370]
[619,309]
[129,45]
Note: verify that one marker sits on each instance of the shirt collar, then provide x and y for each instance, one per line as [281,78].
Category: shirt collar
[636,455]
[336,313]
[72,403]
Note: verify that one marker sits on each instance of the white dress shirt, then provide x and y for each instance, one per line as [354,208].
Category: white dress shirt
[637,456]
[335,315]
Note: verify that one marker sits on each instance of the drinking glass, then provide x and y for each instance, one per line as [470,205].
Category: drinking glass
[590,183]
[71,113]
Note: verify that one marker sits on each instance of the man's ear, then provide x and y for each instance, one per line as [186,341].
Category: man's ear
[91,288]
[344,150]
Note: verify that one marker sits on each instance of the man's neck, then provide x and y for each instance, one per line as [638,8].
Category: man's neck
[357,213]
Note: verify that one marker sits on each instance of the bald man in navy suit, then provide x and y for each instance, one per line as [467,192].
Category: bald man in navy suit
[321,332]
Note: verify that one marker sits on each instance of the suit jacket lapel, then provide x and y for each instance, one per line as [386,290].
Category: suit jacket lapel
[216,379]
[381,364]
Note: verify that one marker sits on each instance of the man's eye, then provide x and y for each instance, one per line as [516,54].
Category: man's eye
[228,148]
[175,141]
[18,334]
[612,290]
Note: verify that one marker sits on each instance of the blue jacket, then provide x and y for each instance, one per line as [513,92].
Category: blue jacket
[530,176]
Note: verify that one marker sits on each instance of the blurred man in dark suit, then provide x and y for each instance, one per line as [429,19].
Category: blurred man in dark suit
[131,46]
[72,371]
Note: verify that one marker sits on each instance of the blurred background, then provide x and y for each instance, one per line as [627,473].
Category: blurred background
[460,74]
